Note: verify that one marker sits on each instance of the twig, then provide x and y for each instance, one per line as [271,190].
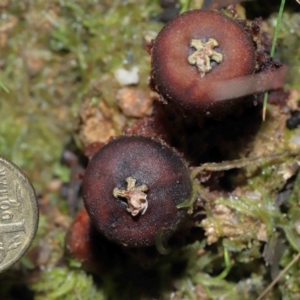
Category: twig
[273,51]
[271,285]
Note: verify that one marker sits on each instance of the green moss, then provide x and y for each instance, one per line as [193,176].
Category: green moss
[55,54]
[65,284]
[103,38]
[199,281]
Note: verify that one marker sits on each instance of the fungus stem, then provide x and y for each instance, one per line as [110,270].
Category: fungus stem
[279,17]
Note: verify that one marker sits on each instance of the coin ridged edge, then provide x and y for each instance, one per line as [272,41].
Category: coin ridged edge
[35,221]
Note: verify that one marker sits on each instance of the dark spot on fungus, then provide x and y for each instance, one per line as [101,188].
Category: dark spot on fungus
[232,55]
[156,169]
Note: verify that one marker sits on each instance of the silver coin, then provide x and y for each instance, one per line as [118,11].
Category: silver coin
[18,214]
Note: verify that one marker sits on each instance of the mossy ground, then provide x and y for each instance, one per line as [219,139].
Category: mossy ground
[53,54]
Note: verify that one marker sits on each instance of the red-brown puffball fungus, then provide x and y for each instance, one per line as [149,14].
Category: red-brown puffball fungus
[131,189]
[197,53]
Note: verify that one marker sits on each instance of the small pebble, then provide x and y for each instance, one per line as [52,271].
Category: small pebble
[127,77]
[134,103]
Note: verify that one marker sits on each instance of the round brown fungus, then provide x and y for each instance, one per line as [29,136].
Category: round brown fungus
[194,53]
[131,189]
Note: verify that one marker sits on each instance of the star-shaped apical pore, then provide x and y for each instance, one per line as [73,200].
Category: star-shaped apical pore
[204,54]
[135,196]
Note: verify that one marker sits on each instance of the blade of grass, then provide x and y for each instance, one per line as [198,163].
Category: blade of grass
[185,6]
[279,17]
[4,87]
[269,288]
[227,265]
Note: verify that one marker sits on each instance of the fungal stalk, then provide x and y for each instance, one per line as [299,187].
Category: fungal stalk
[135,196]
[204,54]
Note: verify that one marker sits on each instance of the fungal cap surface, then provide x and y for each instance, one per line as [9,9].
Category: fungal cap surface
[232,55]
[159,172]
